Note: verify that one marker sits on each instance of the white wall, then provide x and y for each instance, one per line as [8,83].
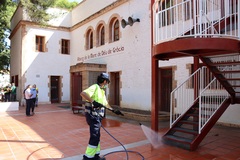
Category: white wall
[60,17]
[4,80]
[131,55]
[88,8]
[182,72]
[231,115]
[15,61]
[17,16]
[39,66]
[134,57]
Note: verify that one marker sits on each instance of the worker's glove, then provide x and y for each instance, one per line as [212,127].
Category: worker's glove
[117,112]
[97,105]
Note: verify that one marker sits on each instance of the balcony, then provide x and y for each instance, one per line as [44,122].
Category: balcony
[195,27]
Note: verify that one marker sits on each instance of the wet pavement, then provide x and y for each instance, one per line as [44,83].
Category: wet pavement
[54,132]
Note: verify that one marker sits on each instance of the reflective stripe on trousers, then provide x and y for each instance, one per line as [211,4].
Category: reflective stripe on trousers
[91,151]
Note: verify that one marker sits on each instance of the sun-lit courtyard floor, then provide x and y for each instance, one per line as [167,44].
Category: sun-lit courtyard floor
[54,132]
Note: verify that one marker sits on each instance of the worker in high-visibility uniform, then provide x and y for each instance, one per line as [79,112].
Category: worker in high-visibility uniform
[94,112]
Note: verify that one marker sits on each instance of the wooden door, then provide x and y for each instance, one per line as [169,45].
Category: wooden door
[55,91]
[165,77]
[115,89]
[76,89]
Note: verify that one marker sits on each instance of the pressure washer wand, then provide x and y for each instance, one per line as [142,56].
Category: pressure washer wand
[117,112]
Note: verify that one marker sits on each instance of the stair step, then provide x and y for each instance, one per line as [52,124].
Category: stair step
[192,114]
[224,64]
[185,130]
[184,143]
[230,71]
[195,116]
[178,139]
[189,122]
[194,110]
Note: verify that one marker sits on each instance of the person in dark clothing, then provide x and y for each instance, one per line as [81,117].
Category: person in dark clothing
[33,97]
[7,93]
[29,102]
[13,92]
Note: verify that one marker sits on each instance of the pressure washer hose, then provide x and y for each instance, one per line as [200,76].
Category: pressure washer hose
[125,150]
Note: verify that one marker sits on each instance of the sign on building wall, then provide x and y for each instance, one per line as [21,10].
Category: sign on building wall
[102,53]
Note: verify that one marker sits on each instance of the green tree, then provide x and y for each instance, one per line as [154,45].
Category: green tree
[2,2]
[7,8]
[65,4]
[36,10]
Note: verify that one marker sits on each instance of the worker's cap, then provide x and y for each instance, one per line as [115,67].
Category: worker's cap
[105,76]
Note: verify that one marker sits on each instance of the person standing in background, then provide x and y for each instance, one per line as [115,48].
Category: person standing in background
[29,102]
[2,95]
[23,103]
[13,92]
[36,102]
[33,97]
[7,93]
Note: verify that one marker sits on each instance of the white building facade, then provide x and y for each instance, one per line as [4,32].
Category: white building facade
[36,58]
[122,56]
[112,36]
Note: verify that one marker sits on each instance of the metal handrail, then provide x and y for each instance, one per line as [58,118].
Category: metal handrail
[182,97]
[210,95]
[195,17]
[210,99]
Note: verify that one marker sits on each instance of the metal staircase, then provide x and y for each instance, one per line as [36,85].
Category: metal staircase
[209,30]
[229,76]
[192,118]
[185,132]
[215,88]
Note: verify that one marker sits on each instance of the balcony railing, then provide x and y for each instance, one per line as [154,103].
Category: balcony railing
[195,18]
